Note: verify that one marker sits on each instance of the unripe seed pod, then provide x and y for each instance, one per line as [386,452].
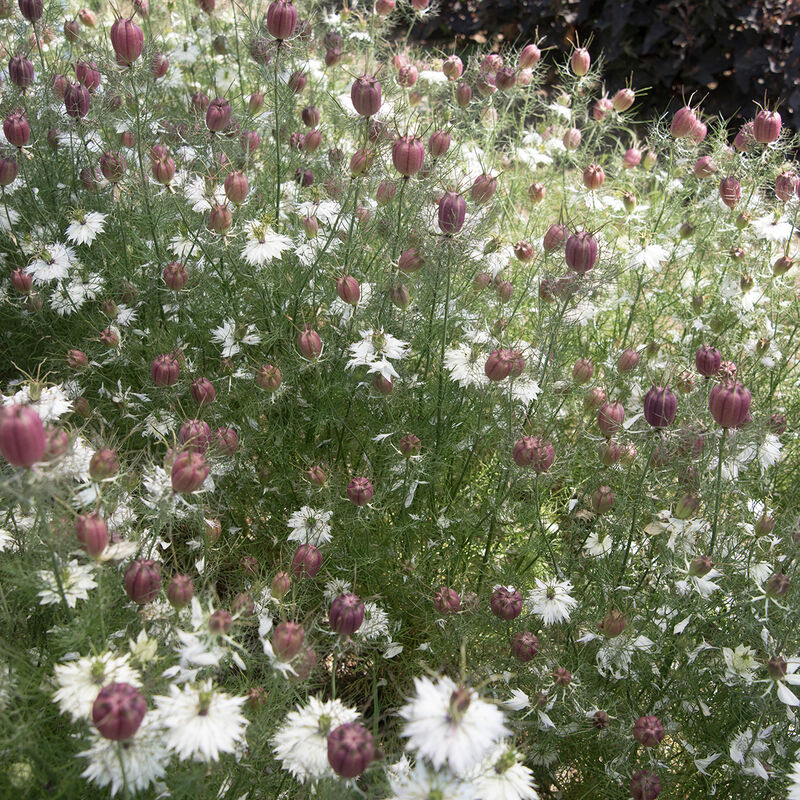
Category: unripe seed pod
[346,614]
[524,252]
[777,424]
[400,296]
[452,213]
[32,10]
[708,360]
[159,66]
[360,491]
[77,359]
[686,506]
[439,143]
[729,404]
[127,40]
[226,440]
[632,157]
[463,95]
[118,711]
[730,191]
[200,101]
[628,360]
[777,585]
[645,785]
[610,418]
[175,275]
[562,677]
[113,166]
[572,139]
[786,185]
[195,435]
[382,385]
[287,640]
[236,187]
[506,603]
[623,99]
[22,436]
[409,445]
[189,472]
[764,524]
[446,600]
[601,108]
[350,748]
[648,731]
[407,75]
[180,590]
[782,265]
[613,623]
[698,131]
[535,452]
[529,56]
[281,19]
[281,583]
[306,561]
[453,67]
[309,343]
[142,580]
[164,370]
[103,464]
[767,126]
[269,378]
[8,171]
[581,252]
[660,405]
[582,371]
[593,177]
[499,364]
[602,499]
[77,101]
[483,188]
[536,192]
[555,237]
[505,78]
[348,289]
[610,452]
[218,115]
[704,167]
[683,123]
[91,532]
[580,61]
[524,646]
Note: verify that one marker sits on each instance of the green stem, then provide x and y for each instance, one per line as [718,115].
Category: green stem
[719,492]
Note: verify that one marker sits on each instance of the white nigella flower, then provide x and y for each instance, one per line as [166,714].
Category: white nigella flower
[301,744]
[374,351]
[597,544]
[794,785]
[135,763]
[85,228]
[335,587]
[375,624]
[70,297]
[52,264]
[518,701]
[767,227]
[201,722]
[263,244]
[782,672]
[229,335]
[422,783]
[525,390]
[79,682]
[652,257]
[615,656]
[747,748]
[740,664]
[702,584]
[502,777]
[75,579]
[466,367]
[51,402]
[450,725]
[310,526]
[551,600]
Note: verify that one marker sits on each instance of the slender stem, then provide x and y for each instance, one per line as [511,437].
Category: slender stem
[719,492]
[277,142]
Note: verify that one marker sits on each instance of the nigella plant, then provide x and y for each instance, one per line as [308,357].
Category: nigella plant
[387,424]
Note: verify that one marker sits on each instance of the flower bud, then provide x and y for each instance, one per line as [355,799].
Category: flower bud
[309,343]
[580,61]
[360,491]
[281,583]
[524,646]
[535,452]
[645,785]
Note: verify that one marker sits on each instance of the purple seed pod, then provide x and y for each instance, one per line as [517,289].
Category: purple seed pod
[628,360]
[613,624]
[506,603]
[610,418]
[91,532]
[22,437]
[708,360]
[582,371]
[729,403]
[767,126]
[17,129]
[408,155]
[118,711]
[365,94]
[20,71]
[189,472]
[730,191]
[309,343]
[346,614]
[483,188]
[350,749]
[452,213]
[287,640]
[348,289]
[281,19]
[499,364]
[524,646]
[555,237]
[164,370]
[32,10]
[306,561]
[648,731]
[660,405]
[645,785]
[532,451]
[602,499]
[195,435]
[180,590]
[77,101]
[104,464]
[581,252]
[683,123]
[226,440]
[127,39]
[446,600]
[218,115]
[360,491]
[203,392]
[142,580]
